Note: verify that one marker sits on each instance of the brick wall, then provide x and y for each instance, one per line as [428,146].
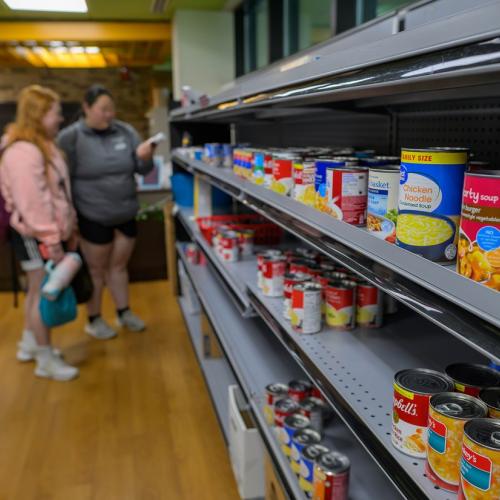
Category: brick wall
[133,98]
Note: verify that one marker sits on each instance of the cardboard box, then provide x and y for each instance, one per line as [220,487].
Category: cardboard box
[274,490]
[210,344]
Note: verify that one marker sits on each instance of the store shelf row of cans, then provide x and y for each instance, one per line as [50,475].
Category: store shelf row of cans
[451,420]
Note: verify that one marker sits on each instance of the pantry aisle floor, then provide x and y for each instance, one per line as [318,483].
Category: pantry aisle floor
[138,424]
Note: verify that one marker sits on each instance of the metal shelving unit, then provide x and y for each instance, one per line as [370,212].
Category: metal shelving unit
[247,343]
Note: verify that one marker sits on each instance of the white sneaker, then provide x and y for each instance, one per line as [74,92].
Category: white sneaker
[27,347]
[53,367]
[99,329]
[130,321]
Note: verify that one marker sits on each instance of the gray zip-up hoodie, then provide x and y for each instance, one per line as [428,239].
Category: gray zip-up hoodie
[102,167]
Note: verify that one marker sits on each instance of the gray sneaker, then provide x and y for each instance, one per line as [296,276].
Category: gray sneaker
[99,329]
[130,321]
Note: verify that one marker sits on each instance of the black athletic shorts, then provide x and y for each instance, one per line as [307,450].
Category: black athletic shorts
[99,234]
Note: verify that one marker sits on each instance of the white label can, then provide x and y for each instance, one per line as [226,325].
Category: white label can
[306,308]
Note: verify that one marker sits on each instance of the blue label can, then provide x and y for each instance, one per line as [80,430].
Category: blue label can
[309,456]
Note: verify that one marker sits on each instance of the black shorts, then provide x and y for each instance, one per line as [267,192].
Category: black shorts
[99,234]
[27,251]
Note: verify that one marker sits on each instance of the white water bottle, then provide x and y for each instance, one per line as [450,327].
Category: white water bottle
[61,275]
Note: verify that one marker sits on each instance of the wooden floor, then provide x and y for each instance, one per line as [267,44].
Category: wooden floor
[138,423]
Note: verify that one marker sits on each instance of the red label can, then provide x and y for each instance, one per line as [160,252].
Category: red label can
[229,246]
[331,477]
[472,378]
[284,408]
[299,390]
[347,194]
[273,274]
[192,253]
[369,305]
[282,174]
[340,304]
[291,279]
[260,264]
[306,308]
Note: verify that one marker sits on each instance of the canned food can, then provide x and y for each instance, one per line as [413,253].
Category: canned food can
[314,270]
[430,192]
[303,182]
[291,279]
[471,379]
[380,161]
[299,390]
[282,173]
[227,155]
[229,246]
[300,266]
[340,304]
[302,439]
[491,397]
[268,170]
[315,410]
[284,408]
[347,194]
[327,267]
[273,273]
[260,264]
[478,166]
[383,198]
[369,305]
[306,308]
[413,389]
[331,477]
[274,392]
[213,154]
[292,424]
[320,187]
[390,304]
[307,253]
[479,238]
[448,413]
[258,168]
[192,253]
[246,242]
[309,456]
[480,464]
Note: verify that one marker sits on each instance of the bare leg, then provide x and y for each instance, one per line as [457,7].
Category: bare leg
[98,258]
[117,276]
[33,321]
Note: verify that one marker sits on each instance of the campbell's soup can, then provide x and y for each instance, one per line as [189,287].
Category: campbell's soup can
[261,256]
[274,392]
[282,173]
[299,390]
[479,238]
[413,389]
[273,273]
[448,413]
[310,454]
[314,269]
[229,244]
[480,464]
[430,193]
[471,378]
[303,181]
[192,253]
[246,241]
[331,477]
[302,439]
[347,194]
[291,279]
[491,397]
[369,305]
[315,410]
[291,425]
[305,315]
[324,279]
[383,196]
[340,304]
[284,408]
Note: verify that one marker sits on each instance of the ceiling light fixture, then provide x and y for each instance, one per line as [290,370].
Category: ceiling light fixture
[48,5]
[92,50]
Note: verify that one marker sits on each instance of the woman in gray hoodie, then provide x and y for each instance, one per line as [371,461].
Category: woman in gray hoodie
[103,156]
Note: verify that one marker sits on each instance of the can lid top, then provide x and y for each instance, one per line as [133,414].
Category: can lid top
[298,421]
[308,286]
[423,381]
[300,385]
[287,404]
[484,173]
[473,375]
[459,406]
[311,403]
[484,431]
[313,451]
[385,168]
[491,396]
[437,149]
[307,436]
[277,388]
[334,462]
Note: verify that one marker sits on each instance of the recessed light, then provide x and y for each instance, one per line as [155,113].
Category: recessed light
[48,5]
[77,50]
[92,50]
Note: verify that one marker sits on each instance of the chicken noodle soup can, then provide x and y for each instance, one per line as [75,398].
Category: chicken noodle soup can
[282,173]
[448,413]
[274,392]
[331,477]
[306,308]
[340,304]
[303,182]
[430,192]
[291,279]
[284,408]
[309,456]
[480,464]
[347,194]
[491,397]
[299,390]
[229,245]
[383,196]
[369,305]
[261,256]
[479,238]
[302,439]
[273,276]
[471,379]
[413,389]
[291,425]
